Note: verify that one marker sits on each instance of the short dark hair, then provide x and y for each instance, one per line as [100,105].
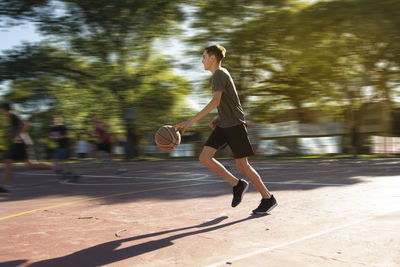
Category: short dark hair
[6,106]
[217,50]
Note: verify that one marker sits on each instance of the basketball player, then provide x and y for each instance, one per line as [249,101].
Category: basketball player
[59,133]
[104,142]
[228,128]
[17,147]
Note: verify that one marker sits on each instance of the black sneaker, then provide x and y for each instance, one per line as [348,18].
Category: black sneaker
[238,192]
[266,205]
[4,191]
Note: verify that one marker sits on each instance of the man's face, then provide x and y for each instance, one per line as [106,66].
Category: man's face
[207,61]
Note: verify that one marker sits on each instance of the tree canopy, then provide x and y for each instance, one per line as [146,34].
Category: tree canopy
[100,57]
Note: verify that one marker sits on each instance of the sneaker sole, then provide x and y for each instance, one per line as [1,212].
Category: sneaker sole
[244,191]
[265,212]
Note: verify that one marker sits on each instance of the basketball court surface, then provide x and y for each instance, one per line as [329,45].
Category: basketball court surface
[331,212]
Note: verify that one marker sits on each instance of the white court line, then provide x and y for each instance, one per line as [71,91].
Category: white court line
[304,183]
[120,177]
[136,183]
[298,240]
[202,178]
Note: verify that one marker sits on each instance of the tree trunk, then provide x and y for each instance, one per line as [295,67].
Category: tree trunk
[386,110]
[132,149]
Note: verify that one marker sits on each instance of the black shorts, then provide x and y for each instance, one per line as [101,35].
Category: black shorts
[17,152]
[236,137]
[106,147]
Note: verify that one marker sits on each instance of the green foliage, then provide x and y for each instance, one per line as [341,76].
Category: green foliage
[100,61]
[100,58]
[290,55]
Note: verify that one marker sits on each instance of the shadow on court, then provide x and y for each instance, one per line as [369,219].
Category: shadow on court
[108,253]
[279,175]
[168,221]
[13,263]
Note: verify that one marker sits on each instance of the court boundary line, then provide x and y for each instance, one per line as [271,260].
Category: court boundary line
[101,197]
[163,179]
[203,175]
[297,240]
[173,180]
[305,183]
[166,181]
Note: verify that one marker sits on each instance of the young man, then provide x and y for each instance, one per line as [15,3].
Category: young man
[17,150]
[228,128]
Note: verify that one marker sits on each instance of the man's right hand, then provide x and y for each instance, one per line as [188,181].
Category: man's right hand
[213,123]
[183,125]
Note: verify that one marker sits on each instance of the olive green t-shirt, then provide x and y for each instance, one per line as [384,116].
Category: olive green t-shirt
[230,111]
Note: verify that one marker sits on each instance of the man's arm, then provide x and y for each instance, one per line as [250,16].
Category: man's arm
[207,109]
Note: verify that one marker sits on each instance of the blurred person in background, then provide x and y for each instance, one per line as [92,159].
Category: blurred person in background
[103,151]
[59,133]
[119,147]
[18,142]
[82,147]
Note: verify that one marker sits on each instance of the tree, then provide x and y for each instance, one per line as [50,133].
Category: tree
[102,48]
[287,55]
[372,59]
[267,57]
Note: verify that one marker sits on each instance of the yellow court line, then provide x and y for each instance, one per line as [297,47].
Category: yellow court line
[102,197]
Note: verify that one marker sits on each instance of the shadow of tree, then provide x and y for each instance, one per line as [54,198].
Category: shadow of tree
[12,263]
[279,175]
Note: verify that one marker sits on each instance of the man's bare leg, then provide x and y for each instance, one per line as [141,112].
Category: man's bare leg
[243,165]
[207,158]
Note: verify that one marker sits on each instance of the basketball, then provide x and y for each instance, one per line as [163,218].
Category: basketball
[167,138]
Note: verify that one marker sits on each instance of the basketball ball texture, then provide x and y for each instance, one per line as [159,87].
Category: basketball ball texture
[167,138]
